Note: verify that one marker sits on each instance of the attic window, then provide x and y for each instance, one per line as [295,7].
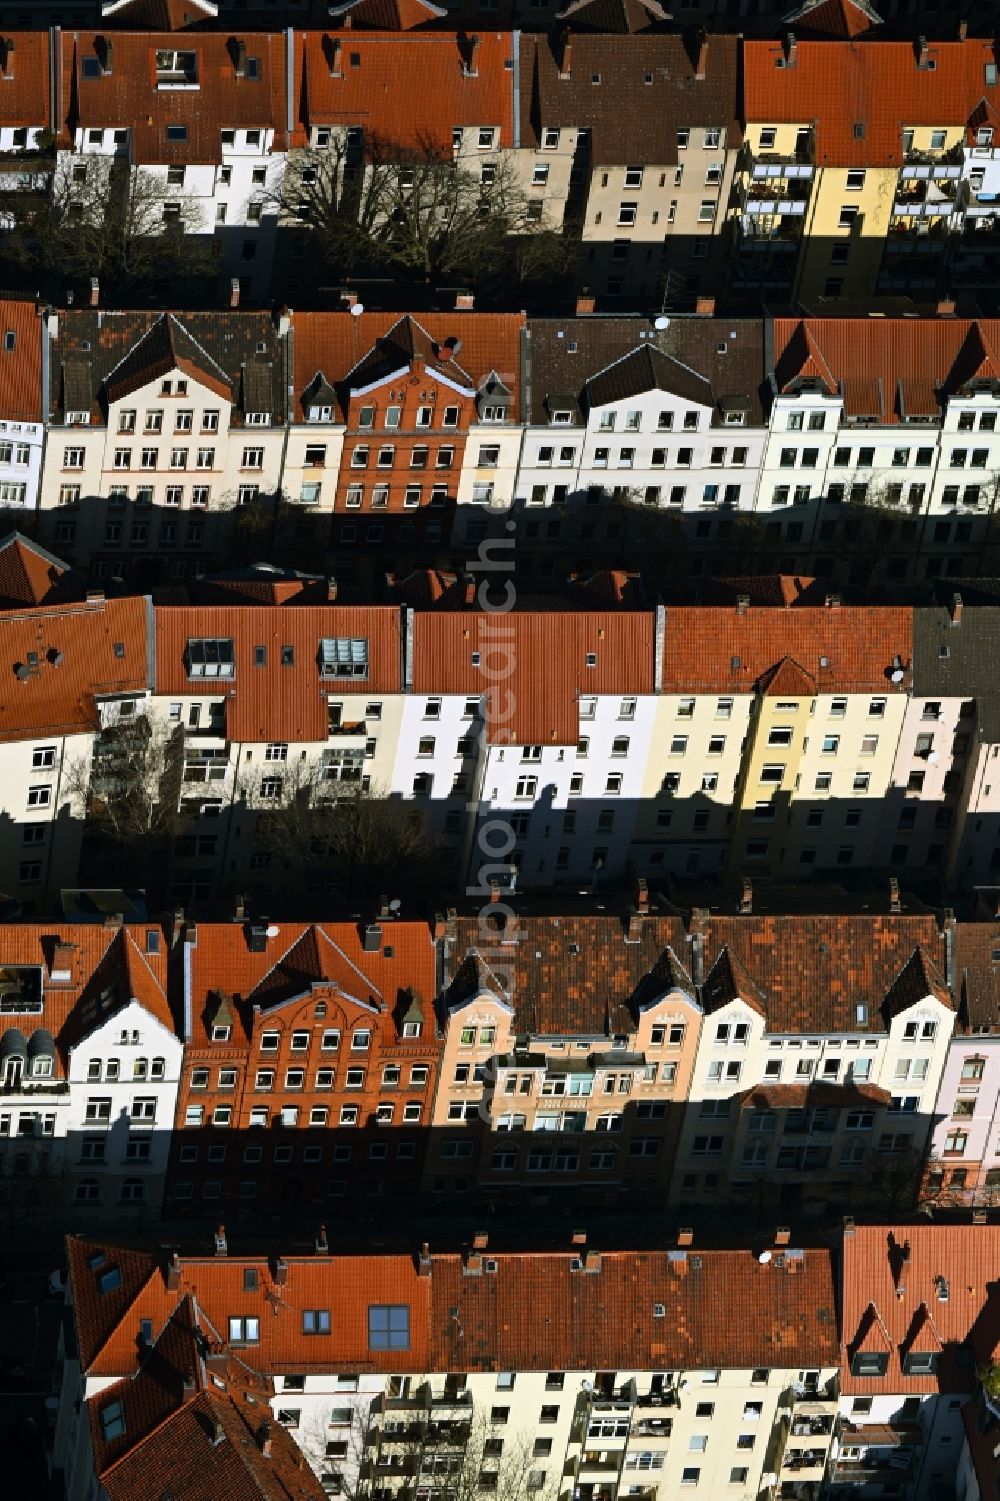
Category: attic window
[210,657]
[288,656]
[119,648]
[648,78]
[249,1279]
[260,656]
[109,1280]
[91,67]
[991,74]
[97,1260]
[253,67]
[176,69]
[859,130]
[112,1420]
[177,132]
[595,77]
[861,1014]
[343,657]
[591,659]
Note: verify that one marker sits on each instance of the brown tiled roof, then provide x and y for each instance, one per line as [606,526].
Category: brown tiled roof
[814,1096]
[24,90]
[859,98]
[611,17]
[387,15]
[273,701]
[787,679]
[630,119]
[881,1285]
[811,973]
[919,978]
[128,96]
[728,980]
[99,1314]
[773,589]
[708,650]
[20,367]
[606,358]
[566,975]
[107,354]
[28,574]
[157,15]
[333,345]
[260,584]
[546,668]
[366,89]
[977,962]
[76,658]
[834,19]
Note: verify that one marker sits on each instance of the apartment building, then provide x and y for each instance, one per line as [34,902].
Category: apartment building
[22,414]
[158,423]
[913,1336]
[373,1375]
[660,412]
[633,140]
[581,1028]
[201,127]
[310,1065]
[91,1062]
[774,740]
[819,1058]
[73,669]
[859,162]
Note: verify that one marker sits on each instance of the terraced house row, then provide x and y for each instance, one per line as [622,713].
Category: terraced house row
[253,1067]
[866,1371]
[138,437]
[607,743]
[793,168]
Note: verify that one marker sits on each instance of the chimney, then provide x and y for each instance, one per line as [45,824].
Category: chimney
[566,54]
[895,905]
[173,1273]
[471,68]
[494,891]
[685,1237]
[591,1261]
[678,1263]
[216,1360]
[424,1261]
[107,55]
[849,1224]
[284,321]
[280,1272]
[704,307]
[979,1216]
[578,1238]
[923,55]
[963,30]
[95,291]
[634,929]
[349,298]
[95,596]
[465,302]
[7,56]
[221,1248]
[642,895]
[333,56]
[956,609]
[480,1240]
[264,1439]
[218,1432]
[190,1386]
[701,63]
[322,1244]
[473,1264]
[832,601]
[791,48]
[746,900]
[585,303]
[946,307]
[782,1235]
[331,589]
[440,927]
[234,291]
[240,59]
[239,908]
[742,603]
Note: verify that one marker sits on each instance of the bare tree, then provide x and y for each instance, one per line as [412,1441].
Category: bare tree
[421,213]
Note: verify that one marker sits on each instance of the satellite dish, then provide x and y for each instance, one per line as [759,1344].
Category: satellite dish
[587,1386]
[897,675]
[764,1257]
[272,931]
[395,904]
[933,757]
[357,309]
[661,322]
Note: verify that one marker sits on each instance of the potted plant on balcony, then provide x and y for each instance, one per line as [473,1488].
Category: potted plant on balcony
[989,1379]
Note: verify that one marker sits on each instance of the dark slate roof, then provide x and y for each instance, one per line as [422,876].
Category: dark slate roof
[968,670]
[630,120]
[104,355]
[611,358]
[405,342]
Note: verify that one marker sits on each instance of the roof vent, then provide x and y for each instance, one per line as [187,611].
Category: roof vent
[372,941]
[257,938]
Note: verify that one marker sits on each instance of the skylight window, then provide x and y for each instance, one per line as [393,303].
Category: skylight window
[109,1280]
[388,1326]
[211,657]
[112,1420]
[343,657]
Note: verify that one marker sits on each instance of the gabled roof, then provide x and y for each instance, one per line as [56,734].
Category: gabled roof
[787,678]
[122,975]
[611,17]
[647,369]
[100,1310]
[387,15]
[872,1333]
[835,19]
[261,584]
[405,344]
[802,359]
[728,980]
[166,347]
[25,86]
[918,979]
[20,364]
[29,575]
[311,960]
[976,360]
[771,589]
[158,15]
[923,1334]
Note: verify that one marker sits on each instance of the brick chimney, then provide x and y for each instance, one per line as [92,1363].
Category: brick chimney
[685,1236]
[946,307]
[701,62]
[963,30]
[471,68]
[465,302]
[704,307]
[746,900]
[642,895]
[173,1273]
[956,609]
[791,50]
[336,51]
[480,1240]
[424,1260]
[95,291]
[322,1244]
[578,1238]
[585,303]
[782,1235]
[923,52]
[566,53]
[742,603]
[591,1261]
[895,905]
[264,1439]
[234,291]
[280,1272]
[221,1248]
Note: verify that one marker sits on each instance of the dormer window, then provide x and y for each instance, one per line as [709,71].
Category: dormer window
[210,657]
[177,70]
[984,135]
[343,657]
[561,418]
[258,419]
[320,414]
[78,419]
[91,67]
[869,1363]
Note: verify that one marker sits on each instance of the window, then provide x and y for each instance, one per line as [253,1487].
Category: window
[389,1326]
[244,1331]
[869,1363]
[315,1321]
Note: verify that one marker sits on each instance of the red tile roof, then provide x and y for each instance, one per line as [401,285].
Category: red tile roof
[889,368]
[333,344]
[892,1285]
[833,18]
[301,954]
[860,97]
[24,90]
[367,92]
[128,95]
[535,1312]
[709,650]
[813,1096]
[28,574]
[20,367]
[273,701]
[57,696]
[534,667]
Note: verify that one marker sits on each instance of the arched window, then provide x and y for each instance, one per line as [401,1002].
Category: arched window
[319,1011]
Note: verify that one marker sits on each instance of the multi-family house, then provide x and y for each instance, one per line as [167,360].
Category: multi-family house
[200,122]
[375,1379]
[22,404]
[274,705]
[566,1055]
[157,424]
[775,739]
[660,412]
[855,174]
[91,1062]
[916,1324]
[631,142]
[73,670]
[27,125]
[820,1055]
[310,1064]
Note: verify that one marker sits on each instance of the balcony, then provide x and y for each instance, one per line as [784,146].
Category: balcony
[803,1464]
